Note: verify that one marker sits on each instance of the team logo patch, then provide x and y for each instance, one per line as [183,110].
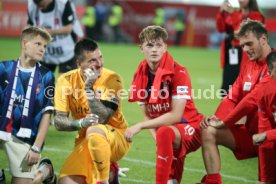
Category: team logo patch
[56,21]
[37,89]
[182,90]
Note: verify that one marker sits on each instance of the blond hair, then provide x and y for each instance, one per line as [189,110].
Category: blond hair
[29,32]
[153,32]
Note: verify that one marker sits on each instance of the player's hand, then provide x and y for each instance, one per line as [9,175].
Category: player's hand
[259,138]
[88,120]
[131,131]
[123,171]
[32,158]
[227,7]
[217,123]
[206,121]
[91,77]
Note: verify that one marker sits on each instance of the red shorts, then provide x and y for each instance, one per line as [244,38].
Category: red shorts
[244,143]
[191,141]
[267,162]
[190,137]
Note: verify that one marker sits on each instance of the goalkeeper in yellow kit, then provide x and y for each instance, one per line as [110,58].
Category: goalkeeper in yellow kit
[90,94]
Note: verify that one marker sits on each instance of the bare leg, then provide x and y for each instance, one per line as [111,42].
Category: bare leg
[72,180]
[211,138]
[16,180]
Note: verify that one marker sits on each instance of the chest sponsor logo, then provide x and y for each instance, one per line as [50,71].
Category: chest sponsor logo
[156,108]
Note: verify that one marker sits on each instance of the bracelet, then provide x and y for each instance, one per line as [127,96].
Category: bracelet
[35,149]
[80,123]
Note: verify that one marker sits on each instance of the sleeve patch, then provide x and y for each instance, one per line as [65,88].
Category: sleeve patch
[182,90]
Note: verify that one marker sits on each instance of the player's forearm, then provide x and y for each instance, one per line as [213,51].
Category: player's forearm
[104,113]
[63,123]
[167,119]
[152,131]
[42,129]
[98,108]
[62,31]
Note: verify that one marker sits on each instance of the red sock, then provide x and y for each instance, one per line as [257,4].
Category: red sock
[164,141]
[213,179]
[177,166]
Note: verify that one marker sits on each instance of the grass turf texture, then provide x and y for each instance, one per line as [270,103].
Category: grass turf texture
[203,66]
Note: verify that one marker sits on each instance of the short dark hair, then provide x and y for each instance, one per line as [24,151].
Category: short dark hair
[254,26]
[83,45]
[37,1]
[271,58]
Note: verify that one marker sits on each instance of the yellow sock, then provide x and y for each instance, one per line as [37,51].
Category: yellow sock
[100,152]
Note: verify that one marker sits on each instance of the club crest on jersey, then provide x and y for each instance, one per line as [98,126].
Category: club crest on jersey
[165,89]
[56,21]
[182,90]
[37,90]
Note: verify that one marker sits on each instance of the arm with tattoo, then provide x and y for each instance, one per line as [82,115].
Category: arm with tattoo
[97,107]
[63,123]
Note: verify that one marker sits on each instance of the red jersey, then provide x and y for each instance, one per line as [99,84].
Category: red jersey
[228,23]
[267,110]
[249,80]
[178,88]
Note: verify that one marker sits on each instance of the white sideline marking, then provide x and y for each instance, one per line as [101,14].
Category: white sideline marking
[134,180]
[237,178]
[149,163]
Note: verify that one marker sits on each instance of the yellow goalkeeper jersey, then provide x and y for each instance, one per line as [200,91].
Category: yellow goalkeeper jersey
[70,96]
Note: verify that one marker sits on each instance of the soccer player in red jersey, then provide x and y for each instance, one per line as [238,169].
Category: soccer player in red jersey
[162,88]
[266,137]
[228,21]
[237,137]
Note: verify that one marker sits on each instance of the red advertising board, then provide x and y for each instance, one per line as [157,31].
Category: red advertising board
[199,20]
[13,17]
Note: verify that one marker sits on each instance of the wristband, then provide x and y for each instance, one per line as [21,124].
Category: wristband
[35,149]
[80,123]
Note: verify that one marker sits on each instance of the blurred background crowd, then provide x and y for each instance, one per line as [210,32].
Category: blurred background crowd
[189,23]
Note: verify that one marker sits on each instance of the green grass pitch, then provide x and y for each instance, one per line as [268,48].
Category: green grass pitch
[203,66]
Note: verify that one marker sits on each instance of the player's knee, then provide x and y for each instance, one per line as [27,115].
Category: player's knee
[96,140]
[165,133]
[208,135]
[93,129]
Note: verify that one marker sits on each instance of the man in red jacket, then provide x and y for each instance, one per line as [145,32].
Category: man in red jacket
[237,137]
[266,138]
[228,21]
